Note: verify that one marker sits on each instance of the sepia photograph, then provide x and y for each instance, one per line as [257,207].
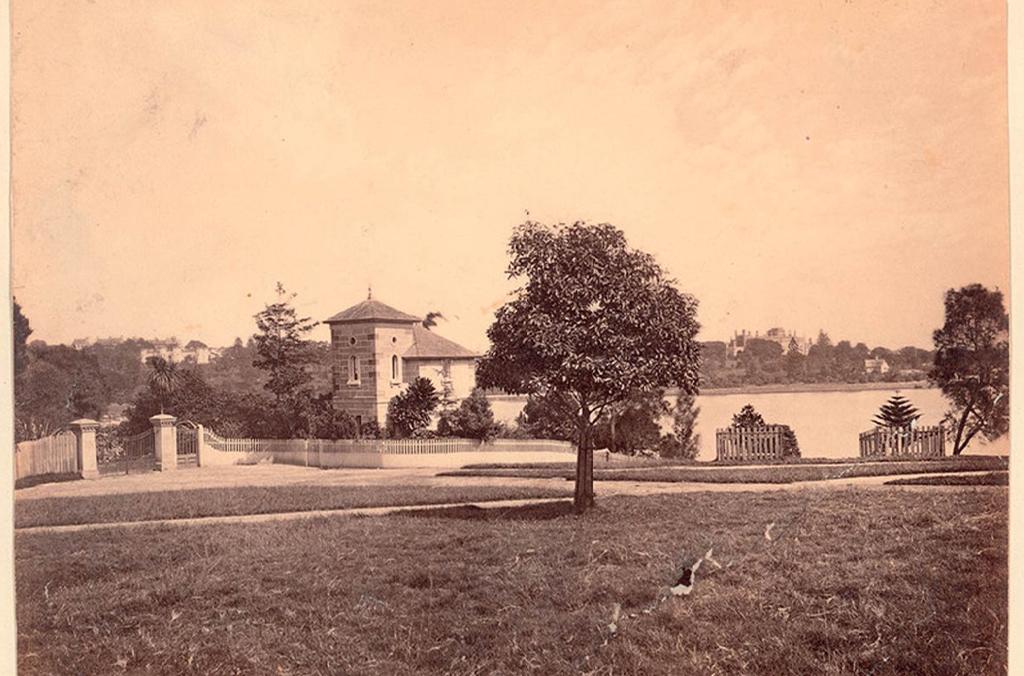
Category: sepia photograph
[653,337]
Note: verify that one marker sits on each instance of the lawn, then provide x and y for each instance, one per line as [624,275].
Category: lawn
[184,504]
[619,461]
[852,581]
[775,474]
[986,479]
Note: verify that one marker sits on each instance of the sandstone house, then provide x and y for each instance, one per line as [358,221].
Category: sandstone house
[377,350]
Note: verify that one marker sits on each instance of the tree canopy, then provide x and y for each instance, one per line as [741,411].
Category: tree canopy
[748,417]
[972,364]
[593,320]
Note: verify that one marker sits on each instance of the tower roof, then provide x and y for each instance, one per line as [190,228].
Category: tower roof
[372,310]
[429,345]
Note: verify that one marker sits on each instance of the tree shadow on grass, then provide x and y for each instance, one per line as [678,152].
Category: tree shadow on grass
[38,479]
[537,512]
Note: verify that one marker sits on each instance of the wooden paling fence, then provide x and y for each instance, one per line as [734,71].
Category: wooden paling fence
[750,443]
[55,454]
[925,442]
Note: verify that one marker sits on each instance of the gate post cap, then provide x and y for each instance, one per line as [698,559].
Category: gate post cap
[162,420]
[84,423]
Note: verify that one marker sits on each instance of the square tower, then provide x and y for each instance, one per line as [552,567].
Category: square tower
[368,343]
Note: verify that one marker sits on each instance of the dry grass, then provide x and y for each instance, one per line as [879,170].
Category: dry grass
[630,462]
[223,501]
[775,474]
[986,479]
[855,581]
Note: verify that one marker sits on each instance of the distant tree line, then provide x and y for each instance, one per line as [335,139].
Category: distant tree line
[277,385]
[765,362]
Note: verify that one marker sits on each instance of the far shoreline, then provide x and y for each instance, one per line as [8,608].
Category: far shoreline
[780,388]
[795,388]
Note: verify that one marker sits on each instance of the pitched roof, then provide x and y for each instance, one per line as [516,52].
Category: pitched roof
[428,345]
[371,310]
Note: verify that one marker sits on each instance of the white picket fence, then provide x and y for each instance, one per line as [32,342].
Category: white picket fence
[379,452]
[385,446]
[55,454]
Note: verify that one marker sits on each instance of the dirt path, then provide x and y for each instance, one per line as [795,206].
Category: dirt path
[287,475]
[297,475]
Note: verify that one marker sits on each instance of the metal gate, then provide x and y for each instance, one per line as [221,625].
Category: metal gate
[188,444]
[124,455]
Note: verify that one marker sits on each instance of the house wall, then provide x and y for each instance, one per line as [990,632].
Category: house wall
[357,398]
[375,343]
[392,340]
[462,374]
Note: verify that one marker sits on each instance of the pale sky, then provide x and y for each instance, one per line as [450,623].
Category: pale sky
[831,165]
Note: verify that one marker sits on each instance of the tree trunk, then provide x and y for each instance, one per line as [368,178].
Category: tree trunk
[583,498]
[958,443]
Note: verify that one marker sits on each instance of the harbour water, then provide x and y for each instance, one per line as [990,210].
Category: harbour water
[826,423]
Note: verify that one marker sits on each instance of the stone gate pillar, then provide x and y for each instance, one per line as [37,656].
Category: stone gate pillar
[165,441]
[85,441]
[200,446]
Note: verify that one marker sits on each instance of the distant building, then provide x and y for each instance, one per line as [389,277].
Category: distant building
[376,351]
[787,340]
[876,365]
[194,351]
[114,415]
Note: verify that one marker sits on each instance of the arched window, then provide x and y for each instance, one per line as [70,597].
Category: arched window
[353,369]
[394,367]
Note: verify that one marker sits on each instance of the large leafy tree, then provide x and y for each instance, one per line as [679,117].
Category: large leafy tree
[282,349]
[22,330]
[972,364]
[548,415]
[592,322]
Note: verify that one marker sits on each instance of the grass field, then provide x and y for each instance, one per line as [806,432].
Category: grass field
[184,504]
[980,479]
[853,581]
[619,461]
[776,474]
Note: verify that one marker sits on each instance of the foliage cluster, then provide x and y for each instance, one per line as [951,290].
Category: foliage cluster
[765,362]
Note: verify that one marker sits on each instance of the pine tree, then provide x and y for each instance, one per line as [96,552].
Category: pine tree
[897,413]
[281,347]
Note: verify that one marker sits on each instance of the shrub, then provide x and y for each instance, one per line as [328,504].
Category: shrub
[748,417]
[473,419]
[683,442]
[411,410]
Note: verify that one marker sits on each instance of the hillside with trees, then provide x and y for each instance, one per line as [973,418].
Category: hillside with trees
[765,362]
